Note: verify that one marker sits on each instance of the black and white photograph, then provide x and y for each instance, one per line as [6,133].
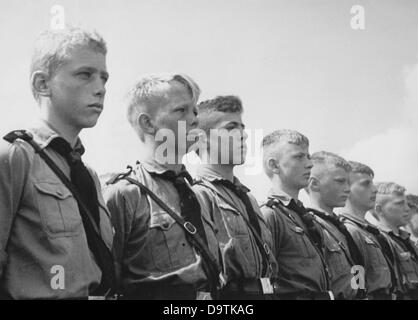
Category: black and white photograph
[229,151]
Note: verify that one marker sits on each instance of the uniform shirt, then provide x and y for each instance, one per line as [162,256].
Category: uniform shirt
[240,254]
[150,247]
[407,264]
[40,225]
[301,269]
[338,259]
[377,271]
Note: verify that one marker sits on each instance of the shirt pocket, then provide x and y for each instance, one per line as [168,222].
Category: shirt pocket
[233,220]
[168,245]
[336,259]
[58,210]
[298,239]
[374,254]
[409,269]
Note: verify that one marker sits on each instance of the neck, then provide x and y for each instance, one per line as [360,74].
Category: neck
[149,152]
[318,204]
[354,210]
[225,171]
[279,186]
[389,226]
[64,129]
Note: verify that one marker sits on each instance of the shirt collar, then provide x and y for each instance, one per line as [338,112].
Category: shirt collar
[404,234]
[207,173]
[152,166]
[355,218]
[44,133]
[321,211]
[399,233]
[283,197]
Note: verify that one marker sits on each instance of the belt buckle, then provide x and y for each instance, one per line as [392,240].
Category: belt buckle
[266,286]
[203,295]
[96,298]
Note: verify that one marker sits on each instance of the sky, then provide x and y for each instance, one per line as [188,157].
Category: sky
[295,64]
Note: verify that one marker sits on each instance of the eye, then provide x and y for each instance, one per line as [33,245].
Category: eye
[105,78]
[84,74]
[180,109]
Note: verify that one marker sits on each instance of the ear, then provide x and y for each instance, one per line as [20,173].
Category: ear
[314,184]
[273,166]
[40,85]
[146,124]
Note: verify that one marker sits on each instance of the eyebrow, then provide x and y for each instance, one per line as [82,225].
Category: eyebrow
[235,124]
[93,70]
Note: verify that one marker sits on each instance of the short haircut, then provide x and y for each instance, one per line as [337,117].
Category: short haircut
[412,201]
[277,136]
[226,104]
[286,135]
[151,87]
[53,46]
[385,189]
[329,158]
[357,167]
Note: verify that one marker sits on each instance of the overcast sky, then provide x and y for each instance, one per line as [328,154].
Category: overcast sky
[295,64]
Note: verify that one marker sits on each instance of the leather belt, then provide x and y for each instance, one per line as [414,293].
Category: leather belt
[327,295]
[251,286]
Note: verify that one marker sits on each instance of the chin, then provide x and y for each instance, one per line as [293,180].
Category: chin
[89,123]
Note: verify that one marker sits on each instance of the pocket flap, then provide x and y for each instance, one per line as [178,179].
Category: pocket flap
[162,220]
[297,229]
[53,189]
[333,246]
[370,241]
[226,206]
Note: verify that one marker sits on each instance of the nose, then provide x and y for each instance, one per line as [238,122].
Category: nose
[244,135]
[347,188]
[99,88]
[193,120]
[309,164]
[407,208]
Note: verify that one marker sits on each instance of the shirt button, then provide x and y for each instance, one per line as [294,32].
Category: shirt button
[165,225]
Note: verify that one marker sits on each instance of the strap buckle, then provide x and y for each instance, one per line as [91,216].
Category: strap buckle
[266,248]
[189,227]
[266,286]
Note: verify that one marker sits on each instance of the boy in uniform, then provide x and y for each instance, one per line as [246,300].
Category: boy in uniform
[155,252]
[298,241]
[329,188]
[392,213]
[243,235]
[53,244]
[380,276]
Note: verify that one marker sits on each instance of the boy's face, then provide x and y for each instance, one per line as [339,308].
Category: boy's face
[77,88]
[230,138]
[414,220]
[334,186]
[294,165]
[395,210]
[177,113]
[363,191]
